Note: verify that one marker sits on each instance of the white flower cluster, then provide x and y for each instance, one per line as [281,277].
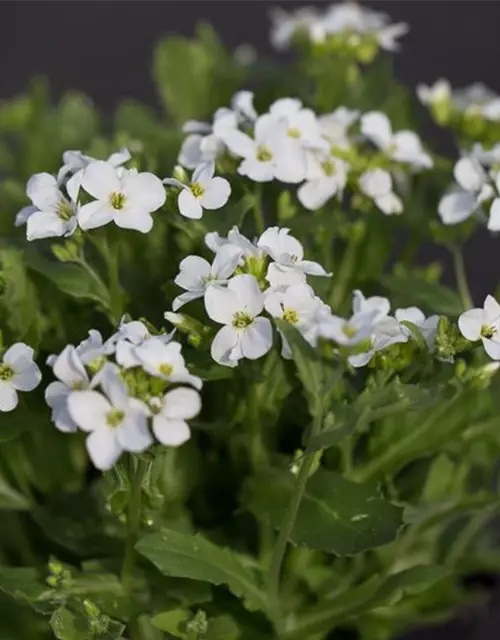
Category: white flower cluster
[477,189]
[123,196]
[475,100]
[247,279]
[292,144]
[18,372]
[349,19]
[115,389]
[372,328]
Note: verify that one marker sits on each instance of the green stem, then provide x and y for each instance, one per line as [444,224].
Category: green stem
[461,277]
[342,277]
[278,556]
[137,472]
[258,213]
[467,535]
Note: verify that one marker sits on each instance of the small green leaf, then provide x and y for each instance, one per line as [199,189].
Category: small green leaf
[222,628]
[433,297]
[171,621]
[72,279]
[67,625]
[11,498]
[192,556]
[25,584]
[335,515]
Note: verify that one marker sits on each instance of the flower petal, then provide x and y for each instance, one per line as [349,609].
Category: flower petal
[69,368]
[221,304]
[492,348]
[8,397]
[103,448]
[181,404]
[203,172]
[193,270]
[95,214]
[470,324]
[132,218]
[315,193]
[19,356]
[456,207]
[133,434]
[43,191]
[171,433]
[257,339]
[100,180]
[248,292]
[494,219]
[217,192]
[189,206]
[143,191]
[223,346]
[88,409]
[56,396]
[27,379]
[376,127]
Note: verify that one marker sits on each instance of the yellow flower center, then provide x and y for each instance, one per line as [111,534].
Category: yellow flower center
[78,386]
[293,132]
[197,190]
[115,417]
[392,148]
[166,369]
[349,331]
[241,320]
[64,210]
[264,154]
[6,372]
[488,331]
[290,315]
[329,167]
[117,200]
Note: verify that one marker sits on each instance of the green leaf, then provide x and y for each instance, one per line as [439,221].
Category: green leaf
[335,515]
[171,621]
[11,498]
[192,556]
[316,375]
[222,628]
[75,625]
[71,279]
[77,120]
[24,584]
[433,297]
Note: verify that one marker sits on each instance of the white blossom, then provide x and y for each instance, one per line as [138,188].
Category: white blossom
[170,415]
[123,196]
[115,422]
[376,305]
[334,126]
[52,214]
[245,334]
[165,361]
[428,326]
[203,192]
[18,372]
[289,266]
[301,124]
[196,273]
[377,184]
[248,249]
[326,177]
[299,306]
[386,332]
[128,336]
[68,368]
[440,91]
[402,146]
[271,154]
[483,324]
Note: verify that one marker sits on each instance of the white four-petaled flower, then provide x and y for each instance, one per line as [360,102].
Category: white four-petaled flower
[377,184]
[483,324]
[245,334]
[203,192]
[123,196]
[18,372]
[170,414]
[165,361]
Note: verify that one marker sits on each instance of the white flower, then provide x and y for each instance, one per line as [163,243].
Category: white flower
[248,249]
[130,335]
[165,361]
[170,414]
[289,267]
[386,332]
[74,162]
[301,124]
[428,326]
[326,176]
[242,104]
[483,324]
[440,91]
[196,273]
[297,305]
[377,184]
[477,100]
[203,192]
[71,374]
[271,154]
[494,217]
[245,334]
[124,196]
[115,421]
[18,372]
[91,348]
[402,146]
[52,214]
[348,332]
[334,126]
[376,305]
[466,197]
[285,24]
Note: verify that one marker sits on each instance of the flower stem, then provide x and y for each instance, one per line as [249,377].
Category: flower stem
[258,213]
[278,556]
[137,471]
[461,277]
[342,277]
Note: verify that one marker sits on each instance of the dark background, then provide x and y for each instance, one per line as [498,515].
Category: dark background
[104,49]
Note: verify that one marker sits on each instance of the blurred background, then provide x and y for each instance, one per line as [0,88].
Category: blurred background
[104,49]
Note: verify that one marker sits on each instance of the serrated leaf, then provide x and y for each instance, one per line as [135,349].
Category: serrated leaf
[72,279]
[335,515]
[193,556]
[432,296]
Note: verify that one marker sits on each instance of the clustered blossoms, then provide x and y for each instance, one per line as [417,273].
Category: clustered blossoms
[121,390]
[326,154]
[348,25]
[474,101]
